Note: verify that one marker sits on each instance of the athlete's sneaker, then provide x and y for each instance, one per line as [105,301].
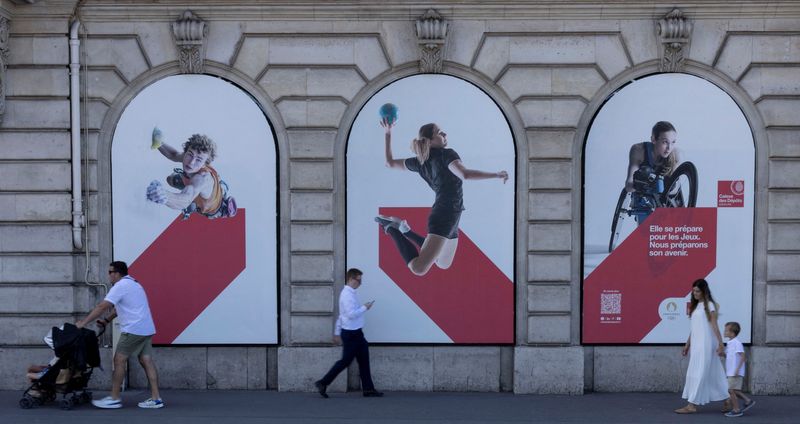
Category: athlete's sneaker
[749,405]
[108,403]
[231,206]
[392,222]
[151,404]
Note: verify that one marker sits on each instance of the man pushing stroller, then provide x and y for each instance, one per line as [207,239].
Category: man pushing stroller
[127,300]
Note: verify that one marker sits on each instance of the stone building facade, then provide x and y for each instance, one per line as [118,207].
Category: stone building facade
[311,66]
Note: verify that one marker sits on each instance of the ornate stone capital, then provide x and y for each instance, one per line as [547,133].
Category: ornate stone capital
[4,28]
[190,37]
[674,32]
[431,36]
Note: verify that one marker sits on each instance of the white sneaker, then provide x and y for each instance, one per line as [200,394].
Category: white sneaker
[151,404]
[108,403]
[392,221]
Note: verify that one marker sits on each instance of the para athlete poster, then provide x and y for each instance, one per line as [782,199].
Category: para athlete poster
[644,247]
[194,210]
[441,269]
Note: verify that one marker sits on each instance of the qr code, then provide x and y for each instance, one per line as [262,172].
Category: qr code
[611,303]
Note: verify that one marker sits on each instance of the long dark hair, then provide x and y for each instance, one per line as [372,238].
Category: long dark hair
[703,286]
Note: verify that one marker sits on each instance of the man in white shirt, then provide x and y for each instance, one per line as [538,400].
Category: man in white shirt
[348,332]
[127,300]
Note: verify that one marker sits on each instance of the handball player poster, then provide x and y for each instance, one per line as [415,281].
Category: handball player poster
[669,167]
[430,217]
[194,210]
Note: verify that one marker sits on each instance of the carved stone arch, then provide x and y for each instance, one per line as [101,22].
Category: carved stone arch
[518,132]
[761,145]
[273,116]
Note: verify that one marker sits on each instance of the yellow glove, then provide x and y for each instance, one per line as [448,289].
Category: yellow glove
[158,138]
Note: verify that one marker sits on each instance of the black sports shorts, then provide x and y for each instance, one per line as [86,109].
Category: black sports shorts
[444,223]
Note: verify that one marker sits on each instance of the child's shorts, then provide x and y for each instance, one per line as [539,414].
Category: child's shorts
[735,382]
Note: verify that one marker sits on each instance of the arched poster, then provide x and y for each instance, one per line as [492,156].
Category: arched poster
[194,210]
[668,199]
[439,259]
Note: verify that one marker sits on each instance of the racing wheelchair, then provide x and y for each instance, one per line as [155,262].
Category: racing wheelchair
[651,191]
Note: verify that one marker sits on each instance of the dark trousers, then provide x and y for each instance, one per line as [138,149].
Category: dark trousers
[354,345]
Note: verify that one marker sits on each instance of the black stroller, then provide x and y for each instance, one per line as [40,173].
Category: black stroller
[77,354]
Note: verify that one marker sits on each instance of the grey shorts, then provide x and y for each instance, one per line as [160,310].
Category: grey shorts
[134,345]
[735,383]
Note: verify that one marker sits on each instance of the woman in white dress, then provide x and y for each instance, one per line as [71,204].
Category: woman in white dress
[705,378]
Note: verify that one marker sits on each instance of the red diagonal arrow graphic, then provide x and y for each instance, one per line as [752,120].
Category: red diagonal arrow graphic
[187,266]
[472,301]
[644,278]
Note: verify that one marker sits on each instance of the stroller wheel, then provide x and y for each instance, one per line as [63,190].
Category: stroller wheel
[66,404]
[26,402]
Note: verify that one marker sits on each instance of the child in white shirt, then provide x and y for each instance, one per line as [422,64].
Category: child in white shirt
[734,369]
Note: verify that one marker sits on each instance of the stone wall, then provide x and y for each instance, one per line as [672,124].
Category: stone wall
[548,65]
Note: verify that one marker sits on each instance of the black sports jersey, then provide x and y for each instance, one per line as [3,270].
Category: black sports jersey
[446,185]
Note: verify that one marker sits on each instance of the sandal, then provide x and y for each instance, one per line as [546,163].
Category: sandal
[686,410]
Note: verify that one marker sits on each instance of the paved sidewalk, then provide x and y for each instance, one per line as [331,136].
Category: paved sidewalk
[218,407]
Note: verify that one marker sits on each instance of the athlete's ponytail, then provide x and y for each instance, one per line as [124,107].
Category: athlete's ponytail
[421,146]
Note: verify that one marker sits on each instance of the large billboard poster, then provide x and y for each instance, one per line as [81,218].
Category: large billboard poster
[194,210]
[668,199]
[439,258]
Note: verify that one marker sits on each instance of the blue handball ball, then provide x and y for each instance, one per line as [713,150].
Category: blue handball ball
[388,112]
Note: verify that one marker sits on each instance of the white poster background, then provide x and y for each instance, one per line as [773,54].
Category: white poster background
[181,106]
[477,130]
[713,134]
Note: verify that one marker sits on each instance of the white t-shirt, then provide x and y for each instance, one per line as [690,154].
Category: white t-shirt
[133,311]
[732,350]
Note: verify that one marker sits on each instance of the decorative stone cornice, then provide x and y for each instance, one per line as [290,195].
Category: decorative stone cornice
[4,29]
[398,10]
[431,36]
[190,37]
[674,32]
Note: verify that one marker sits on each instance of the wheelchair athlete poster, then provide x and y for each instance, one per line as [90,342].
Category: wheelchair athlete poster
[668,198]
[194,204]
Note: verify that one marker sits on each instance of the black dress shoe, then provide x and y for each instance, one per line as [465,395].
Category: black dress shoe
[321,388]
[372,393]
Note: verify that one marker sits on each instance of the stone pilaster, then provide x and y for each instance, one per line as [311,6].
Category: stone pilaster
[4,24]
